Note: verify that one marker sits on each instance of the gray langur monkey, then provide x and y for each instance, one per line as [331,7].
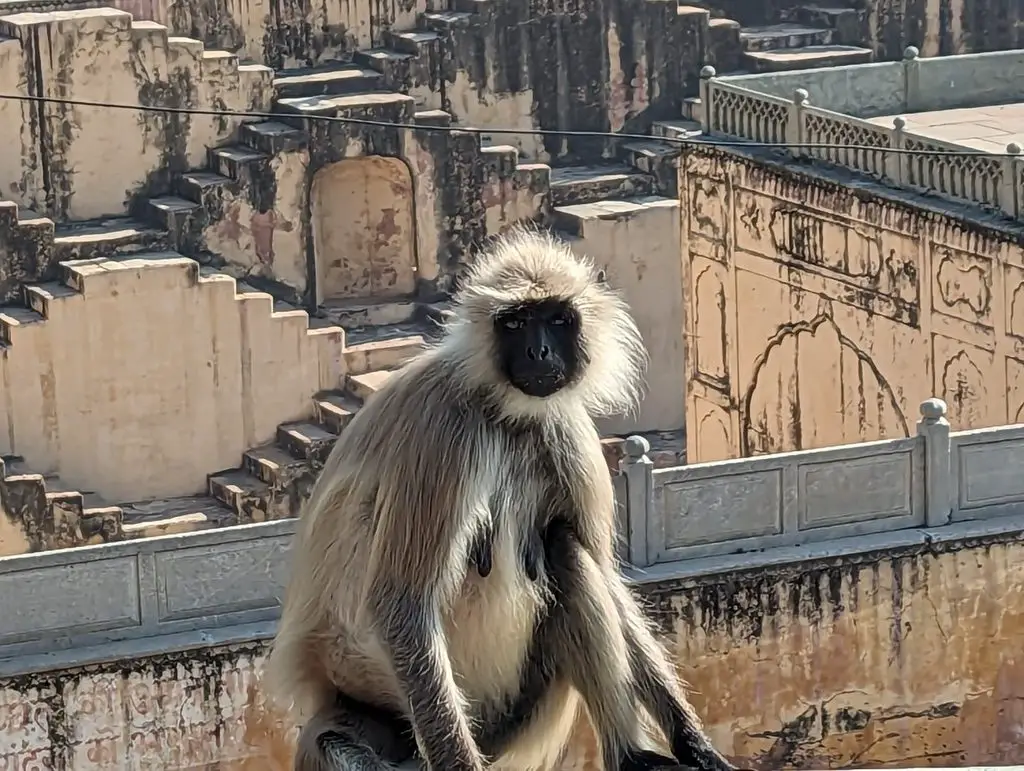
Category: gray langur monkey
[454,594]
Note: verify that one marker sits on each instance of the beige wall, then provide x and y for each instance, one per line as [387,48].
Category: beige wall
[887,659]
[640,250]
[152,377]
[820,316]
[101,55]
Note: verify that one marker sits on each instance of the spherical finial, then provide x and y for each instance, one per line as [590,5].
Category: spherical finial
[707,72]
[933,409]
[800,96]
[637,447]
[1013,148]
[899,123]
[910,53]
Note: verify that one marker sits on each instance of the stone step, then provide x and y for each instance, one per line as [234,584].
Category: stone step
[783,36]
[357,313]
[365,385]
[272,137]
[186,514]
[334,410]
[646,156]
[845,23]
[203,187]
[105,238]
[240,492]
[806,58]
[442,21]
[386,106]
[585,184]
[326,80]
[172,212]
[271,464]
[677,129]
[14,318]
[415,42]
[381,354]
[97,521]
[232,161]
[306,441]
[572,219]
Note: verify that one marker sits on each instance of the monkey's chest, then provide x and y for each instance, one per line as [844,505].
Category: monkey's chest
[490,628]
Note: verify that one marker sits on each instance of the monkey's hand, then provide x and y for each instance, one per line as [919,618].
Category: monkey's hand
[533,553]
[481,552]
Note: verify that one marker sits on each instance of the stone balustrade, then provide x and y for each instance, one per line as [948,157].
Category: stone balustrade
[752,108]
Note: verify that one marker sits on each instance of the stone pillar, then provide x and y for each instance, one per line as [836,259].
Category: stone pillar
[938,496]
[638,470]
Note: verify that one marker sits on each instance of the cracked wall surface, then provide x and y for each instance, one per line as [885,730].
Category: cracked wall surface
[822,313]
[68,167]
[902,657]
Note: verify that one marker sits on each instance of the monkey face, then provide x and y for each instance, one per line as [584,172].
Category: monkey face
[539,346]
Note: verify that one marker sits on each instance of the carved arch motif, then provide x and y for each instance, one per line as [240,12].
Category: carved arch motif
[812,387]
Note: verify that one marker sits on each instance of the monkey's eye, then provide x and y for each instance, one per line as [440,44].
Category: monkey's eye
[513,324]
[561,319]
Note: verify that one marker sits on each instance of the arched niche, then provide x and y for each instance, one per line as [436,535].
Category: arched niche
[364,236]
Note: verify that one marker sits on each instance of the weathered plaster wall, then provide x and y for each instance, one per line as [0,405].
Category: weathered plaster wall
[66,164]
[638,244]
[147,376]
[887,659]
[822,310]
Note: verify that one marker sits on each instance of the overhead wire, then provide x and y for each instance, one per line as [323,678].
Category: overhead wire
[703,140]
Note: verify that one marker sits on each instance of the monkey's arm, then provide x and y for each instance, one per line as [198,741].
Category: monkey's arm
[418,559]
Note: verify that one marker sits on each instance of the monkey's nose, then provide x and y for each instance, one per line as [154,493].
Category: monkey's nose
[542,354]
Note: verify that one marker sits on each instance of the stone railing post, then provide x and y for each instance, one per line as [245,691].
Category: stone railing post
[911,79]
[707,76]
[795,123]
[938,496]
[1008,189]
[638,470]
[896,163]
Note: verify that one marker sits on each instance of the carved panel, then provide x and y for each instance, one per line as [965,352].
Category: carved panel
[962,285]
[987,472]
[811,374]
[872,487]
[1013,281]
[707,208]
[858,253]
[710,345]
[968,381]
[713,431]
[1014,391]
[722,508]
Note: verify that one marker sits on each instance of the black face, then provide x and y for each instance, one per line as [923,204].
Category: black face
[539,346]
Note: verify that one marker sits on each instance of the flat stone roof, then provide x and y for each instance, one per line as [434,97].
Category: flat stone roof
[980,128]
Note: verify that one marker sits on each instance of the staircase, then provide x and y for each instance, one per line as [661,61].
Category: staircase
[803,38]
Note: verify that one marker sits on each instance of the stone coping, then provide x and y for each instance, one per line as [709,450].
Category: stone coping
[854,549]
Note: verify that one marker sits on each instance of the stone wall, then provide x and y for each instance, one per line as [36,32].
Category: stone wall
[79,162]
[137,378]
[821,312]
[894,656]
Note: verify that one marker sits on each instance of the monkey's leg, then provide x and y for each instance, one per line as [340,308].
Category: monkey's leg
[584,632]
[411,627]
[352,736]
[659,688]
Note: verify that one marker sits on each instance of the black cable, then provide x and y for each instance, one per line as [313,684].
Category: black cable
[488,131]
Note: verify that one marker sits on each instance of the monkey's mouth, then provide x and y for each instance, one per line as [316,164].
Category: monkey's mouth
[540,385]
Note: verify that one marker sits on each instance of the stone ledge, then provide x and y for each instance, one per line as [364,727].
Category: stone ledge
[205,631]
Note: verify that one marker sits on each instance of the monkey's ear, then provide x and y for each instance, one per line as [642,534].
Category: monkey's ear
[602,276]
